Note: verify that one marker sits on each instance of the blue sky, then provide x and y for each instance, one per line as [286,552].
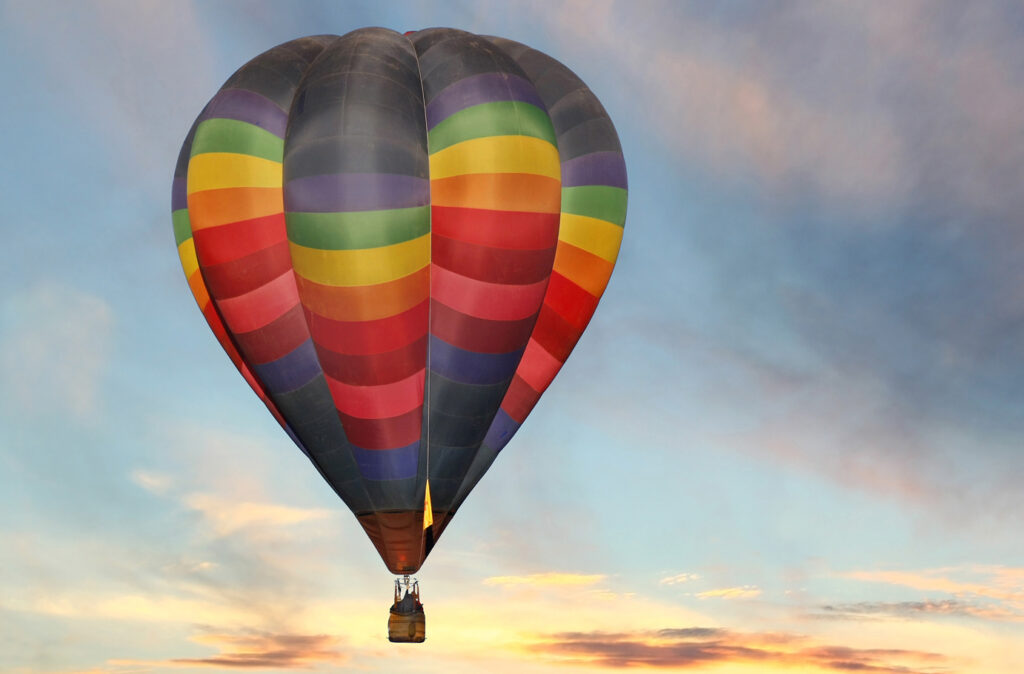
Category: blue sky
[791,437]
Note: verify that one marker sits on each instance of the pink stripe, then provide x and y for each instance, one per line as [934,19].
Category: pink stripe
[378,402]
[492,301]
[257,308]
[538,367]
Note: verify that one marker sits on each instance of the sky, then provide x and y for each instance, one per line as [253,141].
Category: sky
[791,440]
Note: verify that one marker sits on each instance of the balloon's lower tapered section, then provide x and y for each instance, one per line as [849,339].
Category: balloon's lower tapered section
[401,539]
[398,537]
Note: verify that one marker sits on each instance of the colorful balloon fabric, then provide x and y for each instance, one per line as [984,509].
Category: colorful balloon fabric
[398,240]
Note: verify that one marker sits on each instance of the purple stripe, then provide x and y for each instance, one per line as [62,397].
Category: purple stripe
[247,106]
[485,88]
[179,197]
[501,431]
[339,192]
[295,439]
[468,367]
[290,371]
[597,168]
[388,464]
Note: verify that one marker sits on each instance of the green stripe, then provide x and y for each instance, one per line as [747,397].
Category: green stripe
[358,229]
[182,226]
[230,135]
[596,201]
[504,118]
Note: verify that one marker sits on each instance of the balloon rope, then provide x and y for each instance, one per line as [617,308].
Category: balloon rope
[430,259]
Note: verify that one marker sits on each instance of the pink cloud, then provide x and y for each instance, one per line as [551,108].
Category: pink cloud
[702,647]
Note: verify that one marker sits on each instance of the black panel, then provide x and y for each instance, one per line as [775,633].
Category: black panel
[354,154]
[277,72]
[469,400]
[458,56]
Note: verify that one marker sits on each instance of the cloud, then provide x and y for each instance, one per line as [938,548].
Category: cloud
[917,610]
[546,579]
[703,647]
[54,352]
[679,578]
[992,592]
[153,482]
[253,649]
[866,106]
[227,516]
[116,65]
[744,592]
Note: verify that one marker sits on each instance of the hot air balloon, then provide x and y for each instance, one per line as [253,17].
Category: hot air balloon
[398,240]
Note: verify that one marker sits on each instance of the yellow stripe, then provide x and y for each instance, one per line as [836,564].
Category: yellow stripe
[363,267]
[187,253]
[217,170]
[497,154]
[595,236]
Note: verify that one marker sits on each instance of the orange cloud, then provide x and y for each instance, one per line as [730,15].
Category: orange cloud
[227,516]
[708,646]
[744,592]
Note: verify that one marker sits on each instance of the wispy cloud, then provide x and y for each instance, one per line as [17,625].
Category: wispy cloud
[742,592]
[546,579]
[252,649]
[154,482]
[708,646]
[982,591]
[54,352]
[916,610]
[227,516]
[679,578]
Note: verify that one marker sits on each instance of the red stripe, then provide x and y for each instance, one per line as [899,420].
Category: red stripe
[493,301]
[479,335]
[494,265]
[260,306]
[374,369]
[519,400]
[276,339]
[215,245]
[499,229]
[369,337]
[390,433]
[538,367]
[570,301]
[217,326]
[378,402]
[555,334]
[230,279]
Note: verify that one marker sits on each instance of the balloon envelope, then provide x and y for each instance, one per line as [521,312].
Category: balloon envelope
[398,240]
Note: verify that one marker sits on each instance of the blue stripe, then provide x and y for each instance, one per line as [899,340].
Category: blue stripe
[468,367]
[501,431]
[388,464]
[290,371]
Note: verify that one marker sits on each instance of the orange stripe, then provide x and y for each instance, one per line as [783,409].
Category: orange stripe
[586,270]
[523,192]
[198,288]
[365,303]
[211,208]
